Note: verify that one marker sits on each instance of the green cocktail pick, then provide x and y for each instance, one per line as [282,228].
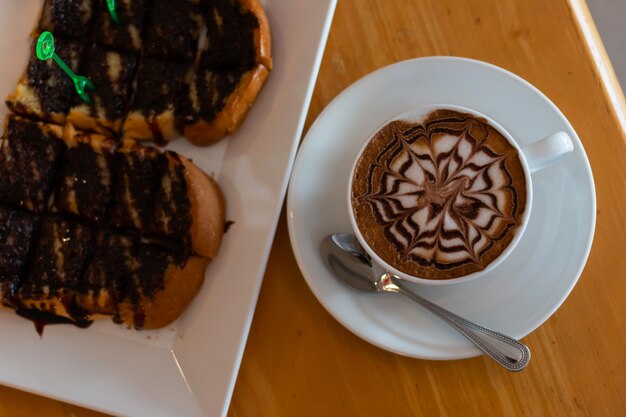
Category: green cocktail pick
[112,6]
[45,50]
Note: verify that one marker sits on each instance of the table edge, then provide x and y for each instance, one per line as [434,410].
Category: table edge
[601,62]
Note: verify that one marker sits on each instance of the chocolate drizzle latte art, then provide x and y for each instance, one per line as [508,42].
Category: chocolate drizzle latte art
[439,199]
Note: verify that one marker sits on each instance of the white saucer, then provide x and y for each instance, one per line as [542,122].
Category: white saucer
[517,296]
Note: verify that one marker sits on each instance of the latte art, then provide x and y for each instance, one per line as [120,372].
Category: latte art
[441,198]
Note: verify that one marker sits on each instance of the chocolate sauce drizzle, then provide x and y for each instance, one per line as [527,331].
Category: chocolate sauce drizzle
[43,318]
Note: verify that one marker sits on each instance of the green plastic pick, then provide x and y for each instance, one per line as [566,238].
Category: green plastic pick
[45,50]
[112,6]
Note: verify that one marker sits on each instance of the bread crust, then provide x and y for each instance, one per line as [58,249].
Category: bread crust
[203,133]
[208,214]
[181,286]
[263,35]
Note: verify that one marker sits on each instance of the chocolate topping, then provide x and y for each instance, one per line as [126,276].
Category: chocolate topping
[16,230]
[16,233]
[230,36]
[29,157]
[111,265]
[84,185]
[151,265]
[59,257]
[160,85]
[112,74]
[136,182]
[68,18]
[156,40]
[173,30]
[214,89]
[52,90]
[171,218]
[44,318]
[54,273]
[67,260]
[128,34]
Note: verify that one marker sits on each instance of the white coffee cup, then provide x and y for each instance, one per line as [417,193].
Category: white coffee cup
[533,157]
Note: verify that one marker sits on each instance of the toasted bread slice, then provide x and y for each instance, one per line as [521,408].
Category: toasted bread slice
[76,261]
[234,65]
[143,285]
[222,103]
[238,36]
[208,101]
[161,100]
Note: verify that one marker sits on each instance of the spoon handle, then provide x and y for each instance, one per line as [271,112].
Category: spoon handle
[508,352]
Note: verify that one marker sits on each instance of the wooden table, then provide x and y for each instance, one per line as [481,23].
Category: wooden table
[300,362]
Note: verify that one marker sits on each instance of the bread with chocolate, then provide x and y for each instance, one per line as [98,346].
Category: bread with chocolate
[122,231]
[55,270]
[161,97]
[223,100]
[30,153]
[207,101]
[17,229]
[112,74]
[173,30]
[70,19]
[127,35]
[169,68]
[238,35]
[137,178]
[83,186]
[234,65]
[45,92]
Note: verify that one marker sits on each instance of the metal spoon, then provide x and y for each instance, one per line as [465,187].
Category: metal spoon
[352,265]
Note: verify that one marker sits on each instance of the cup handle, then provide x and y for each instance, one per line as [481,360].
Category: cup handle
[547,151]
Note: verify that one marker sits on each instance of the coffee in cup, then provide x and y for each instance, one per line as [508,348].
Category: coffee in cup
[441,196]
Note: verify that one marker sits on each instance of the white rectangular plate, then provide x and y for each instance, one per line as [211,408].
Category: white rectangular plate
[189,368]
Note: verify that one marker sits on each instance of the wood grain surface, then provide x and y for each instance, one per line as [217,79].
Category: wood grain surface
[300,362]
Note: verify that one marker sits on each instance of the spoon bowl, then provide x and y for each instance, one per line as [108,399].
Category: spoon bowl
[351,266]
